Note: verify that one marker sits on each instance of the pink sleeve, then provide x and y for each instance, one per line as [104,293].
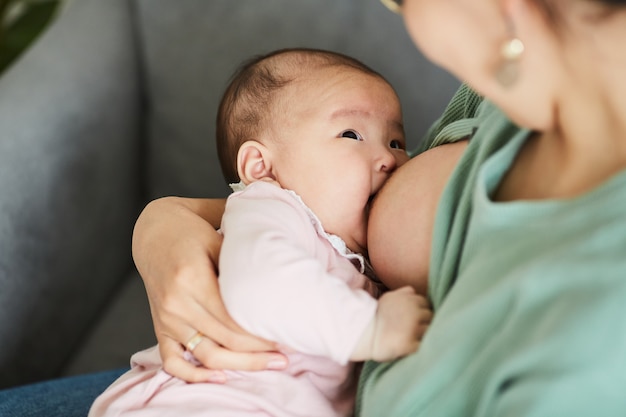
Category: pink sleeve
[275,287]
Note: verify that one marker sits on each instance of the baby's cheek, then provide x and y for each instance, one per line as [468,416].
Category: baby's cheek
[402,158]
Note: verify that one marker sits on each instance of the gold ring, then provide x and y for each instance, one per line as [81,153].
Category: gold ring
[194,341]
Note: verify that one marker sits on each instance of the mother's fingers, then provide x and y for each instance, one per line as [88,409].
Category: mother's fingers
[223,344]
[218,326]
[214,356]
[175,364]
[196,302]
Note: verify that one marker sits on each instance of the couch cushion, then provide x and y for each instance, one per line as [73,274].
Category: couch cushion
[69,182]
[124,328]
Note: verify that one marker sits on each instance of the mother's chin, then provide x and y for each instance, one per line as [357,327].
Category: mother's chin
[402,216]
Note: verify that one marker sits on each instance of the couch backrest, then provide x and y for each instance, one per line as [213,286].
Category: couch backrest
[189,49]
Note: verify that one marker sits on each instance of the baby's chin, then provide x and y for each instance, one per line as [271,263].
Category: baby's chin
[358,244]
[355,237]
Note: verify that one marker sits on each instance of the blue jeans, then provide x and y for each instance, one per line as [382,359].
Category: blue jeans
[64,397]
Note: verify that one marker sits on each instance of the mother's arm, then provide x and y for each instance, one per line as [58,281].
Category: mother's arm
[176,249]
[403,215]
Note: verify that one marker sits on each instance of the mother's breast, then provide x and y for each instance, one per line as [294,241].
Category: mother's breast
[401,219]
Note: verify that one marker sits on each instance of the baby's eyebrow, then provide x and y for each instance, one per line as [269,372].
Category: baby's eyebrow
[398,125]
[350,112]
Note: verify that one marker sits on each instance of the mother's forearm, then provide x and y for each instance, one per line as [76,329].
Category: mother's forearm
[169,227]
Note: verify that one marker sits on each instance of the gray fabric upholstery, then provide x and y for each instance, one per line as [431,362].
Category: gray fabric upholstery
[114,106]
[123,328]
[69,184]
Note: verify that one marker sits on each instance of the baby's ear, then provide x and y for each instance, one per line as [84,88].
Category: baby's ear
[254,162]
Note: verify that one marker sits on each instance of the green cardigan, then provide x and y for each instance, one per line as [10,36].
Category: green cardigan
[529,296]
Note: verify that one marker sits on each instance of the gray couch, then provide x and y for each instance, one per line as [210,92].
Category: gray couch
[114,106]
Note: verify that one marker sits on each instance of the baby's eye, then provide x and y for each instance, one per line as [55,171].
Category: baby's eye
[351,134]
[396,144]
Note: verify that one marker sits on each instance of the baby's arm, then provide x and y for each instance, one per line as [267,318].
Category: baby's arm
[274,287]
[273,284]
[397,328]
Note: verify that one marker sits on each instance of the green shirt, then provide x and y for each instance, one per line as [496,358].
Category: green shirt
[529,297]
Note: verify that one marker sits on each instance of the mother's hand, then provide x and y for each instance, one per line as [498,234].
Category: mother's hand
[176,249]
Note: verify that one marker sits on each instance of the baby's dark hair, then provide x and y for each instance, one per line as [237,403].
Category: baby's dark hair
[249,101]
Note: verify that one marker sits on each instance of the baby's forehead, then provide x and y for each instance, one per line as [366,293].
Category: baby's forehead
[303,65]
[308,81]
[314,80]
[314,86]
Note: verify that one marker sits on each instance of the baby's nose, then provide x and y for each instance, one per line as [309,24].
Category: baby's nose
[387,162]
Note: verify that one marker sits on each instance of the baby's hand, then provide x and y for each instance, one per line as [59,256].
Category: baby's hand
[401,320]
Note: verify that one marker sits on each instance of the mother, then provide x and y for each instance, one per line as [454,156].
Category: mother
[528,256]
[528,252]
[527,269]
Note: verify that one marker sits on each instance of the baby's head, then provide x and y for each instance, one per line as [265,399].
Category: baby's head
[319,123]
[252,101]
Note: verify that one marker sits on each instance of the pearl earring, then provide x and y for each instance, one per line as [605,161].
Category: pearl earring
[507,72]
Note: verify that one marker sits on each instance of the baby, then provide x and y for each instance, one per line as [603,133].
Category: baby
[307,137]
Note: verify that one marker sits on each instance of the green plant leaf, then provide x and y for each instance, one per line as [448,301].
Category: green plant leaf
[22,32]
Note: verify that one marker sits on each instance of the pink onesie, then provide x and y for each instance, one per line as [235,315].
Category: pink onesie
[282,277]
